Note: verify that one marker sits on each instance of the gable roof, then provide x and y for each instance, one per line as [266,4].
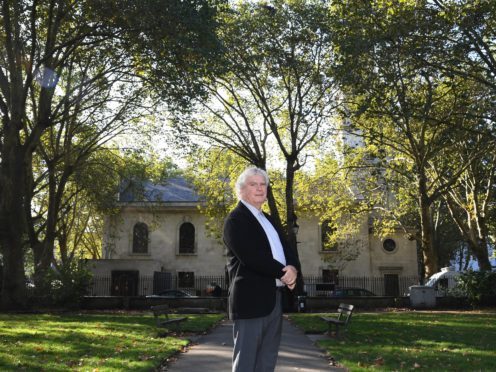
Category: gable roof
[173,190]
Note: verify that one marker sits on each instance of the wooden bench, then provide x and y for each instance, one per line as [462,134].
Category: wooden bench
[192,310]
[161,314]
[344,316]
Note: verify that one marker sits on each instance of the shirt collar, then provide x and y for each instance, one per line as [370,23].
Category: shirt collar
[251,208]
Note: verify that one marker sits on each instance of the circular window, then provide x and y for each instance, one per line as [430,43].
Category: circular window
[389,245]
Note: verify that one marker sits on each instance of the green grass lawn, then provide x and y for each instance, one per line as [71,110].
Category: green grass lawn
[90,342]
[405,341]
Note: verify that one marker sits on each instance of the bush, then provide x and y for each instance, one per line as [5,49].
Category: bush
[478,285]
[68,284]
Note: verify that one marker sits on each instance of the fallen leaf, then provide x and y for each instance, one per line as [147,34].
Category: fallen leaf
[379,361]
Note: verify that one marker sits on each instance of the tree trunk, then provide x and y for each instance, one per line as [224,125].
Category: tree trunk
[290,209]
[474,231]
[43,251]
[478,235]
[43,258]
[291,219]
[479,250]
[12,221]
[274,212]
[14,281]
[428,250]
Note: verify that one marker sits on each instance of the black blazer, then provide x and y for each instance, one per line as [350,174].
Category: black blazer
[252,269]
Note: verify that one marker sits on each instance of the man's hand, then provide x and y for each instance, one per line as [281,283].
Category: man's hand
[289,278]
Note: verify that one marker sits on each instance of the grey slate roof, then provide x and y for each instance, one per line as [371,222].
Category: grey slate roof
[173,190]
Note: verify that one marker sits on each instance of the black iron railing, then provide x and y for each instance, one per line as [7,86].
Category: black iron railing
[201,285]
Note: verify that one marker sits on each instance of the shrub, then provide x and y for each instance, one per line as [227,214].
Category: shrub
[478,285]
[68,284]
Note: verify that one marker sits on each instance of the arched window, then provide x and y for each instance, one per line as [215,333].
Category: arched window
[187,238]
[327,229]
[140,238]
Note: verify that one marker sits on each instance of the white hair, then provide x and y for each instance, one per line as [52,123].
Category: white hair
[248,172]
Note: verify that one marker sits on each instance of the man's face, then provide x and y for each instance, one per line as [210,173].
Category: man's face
[254,191]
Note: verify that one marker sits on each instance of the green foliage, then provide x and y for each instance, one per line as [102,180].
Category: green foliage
[169,45]
[68,283]
[74,76]
[213,174]
[106,174]
[330,194]
[477,285]
[273,101]
[144,164]
[410,97]
[407,340]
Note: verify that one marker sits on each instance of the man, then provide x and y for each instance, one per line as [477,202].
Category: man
[260,265]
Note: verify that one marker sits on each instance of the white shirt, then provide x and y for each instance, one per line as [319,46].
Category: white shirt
[272,236]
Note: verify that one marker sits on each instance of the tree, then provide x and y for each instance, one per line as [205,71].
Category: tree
[470,202]
[465,48]
[92,45]
[330,192]
[275,99]
[468,52]
[91,197]
[76,132]
[411,112]
[213,173]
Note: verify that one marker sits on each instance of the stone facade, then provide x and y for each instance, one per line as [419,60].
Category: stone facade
[163,253]
[372,260]
[176,242]
[209,258]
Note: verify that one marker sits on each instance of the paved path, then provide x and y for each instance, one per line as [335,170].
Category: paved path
[212,353]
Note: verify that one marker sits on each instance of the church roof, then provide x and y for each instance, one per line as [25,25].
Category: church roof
[173,190]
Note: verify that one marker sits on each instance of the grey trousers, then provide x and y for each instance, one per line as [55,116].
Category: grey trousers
[256,341]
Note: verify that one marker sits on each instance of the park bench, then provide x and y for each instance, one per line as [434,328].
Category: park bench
[162,319]
[344,316]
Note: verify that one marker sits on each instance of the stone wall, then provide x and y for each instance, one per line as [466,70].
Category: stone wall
[210,259]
